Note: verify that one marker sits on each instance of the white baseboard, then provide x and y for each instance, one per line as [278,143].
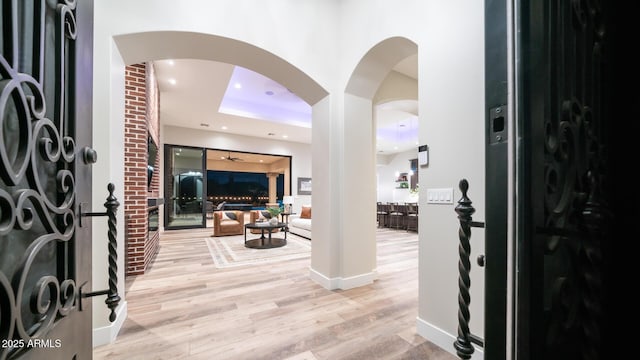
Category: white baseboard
[340,282]
[107,334]
[442,338]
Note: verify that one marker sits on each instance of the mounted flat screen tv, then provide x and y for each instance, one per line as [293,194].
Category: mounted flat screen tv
[153,153]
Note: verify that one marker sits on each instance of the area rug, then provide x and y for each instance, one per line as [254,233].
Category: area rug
[229,251]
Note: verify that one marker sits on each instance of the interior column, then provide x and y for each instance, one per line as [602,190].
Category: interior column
[273,186]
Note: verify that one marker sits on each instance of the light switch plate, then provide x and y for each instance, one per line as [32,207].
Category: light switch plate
[440,196]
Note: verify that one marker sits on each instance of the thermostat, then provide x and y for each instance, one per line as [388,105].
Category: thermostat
[423,155]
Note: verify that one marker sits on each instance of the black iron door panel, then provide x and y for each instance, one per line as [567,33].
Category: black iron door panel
[45,178]
[563,170]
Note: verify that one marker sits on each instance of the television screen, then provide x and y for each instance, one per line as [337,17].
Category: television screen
[153,153]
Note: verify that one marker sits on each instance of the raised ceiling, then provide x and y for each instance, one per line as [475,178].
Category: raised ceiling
[214,96]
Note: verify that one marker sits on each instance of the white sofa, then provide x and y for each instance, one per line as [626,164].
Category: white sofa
[299,226]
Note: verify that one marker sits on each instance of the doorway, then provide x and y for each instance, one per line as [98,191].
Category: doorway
[184,187]
[245,180]
[198,181]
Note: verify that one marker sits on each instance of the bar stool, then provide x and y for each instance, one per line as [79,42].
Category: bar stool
[382,214]
[412,217]
[396,216]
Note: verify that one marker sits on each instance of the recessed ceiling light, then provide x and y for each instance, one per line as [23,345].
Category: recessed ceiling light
[222,157]
[171,62]
[224,128]
[395,148]
[172,81]
[237,86]
[261,160]
[285,136]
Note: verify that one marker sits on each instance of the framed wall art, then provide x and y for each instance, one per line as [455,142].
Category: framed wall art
[304,186]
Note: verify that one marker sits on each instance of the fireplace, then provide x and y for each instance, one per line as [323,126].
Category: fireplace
[153,221]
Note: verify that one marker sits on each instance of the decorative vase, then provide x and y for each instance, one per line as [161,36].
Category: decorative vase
[273,221]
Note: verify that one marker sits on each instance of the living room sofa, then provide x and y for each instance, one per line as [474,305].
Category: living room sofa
[300,224]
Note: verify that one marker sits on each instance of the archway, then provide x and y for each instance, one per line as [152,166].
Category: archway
[152,46]
[135,48]
[357,250]
[157,45]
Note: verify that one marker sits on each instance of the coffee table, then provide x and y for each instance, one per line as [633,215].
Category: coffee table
[265,242]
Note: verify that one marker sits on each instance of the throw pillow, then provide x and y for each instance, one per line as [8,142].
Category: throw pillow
[306,212]
[229,215]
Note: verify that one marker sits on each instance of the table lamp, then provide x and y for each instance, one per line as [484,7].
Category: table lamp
[287,201]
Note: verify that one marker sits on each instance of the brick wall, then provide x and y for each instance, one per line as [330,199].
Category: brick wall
[141,121]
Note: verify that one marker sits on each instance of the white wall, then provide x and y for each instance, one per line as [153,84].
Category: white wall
[449,37]
[108,141]
[452,124]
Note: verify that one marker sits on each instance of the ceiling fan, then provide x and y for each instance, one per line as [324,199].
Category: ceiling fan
[230,158]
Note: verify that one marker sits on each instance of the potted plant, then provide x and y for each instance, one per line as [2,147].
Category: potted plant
[274,212]
[415,191]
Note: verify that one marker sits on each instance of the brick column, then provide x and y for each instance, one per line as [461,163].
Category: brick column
[140,250]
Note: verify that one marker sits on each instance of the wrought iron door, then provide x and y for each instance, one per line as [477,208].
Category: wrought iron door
[45,178]
[565,116]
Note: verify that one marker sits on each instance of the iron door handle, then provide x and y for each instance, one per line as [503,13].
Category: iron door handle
[113,299]
[89,155]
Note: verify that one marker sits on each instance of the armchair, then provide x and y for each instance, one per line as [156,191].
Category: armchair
[256,215]
[228,223]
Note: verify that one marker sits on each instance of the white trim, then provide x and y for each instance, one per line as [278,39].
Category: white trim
[327,283]
[342,283]
[442,338]
[107,334]
[358,280]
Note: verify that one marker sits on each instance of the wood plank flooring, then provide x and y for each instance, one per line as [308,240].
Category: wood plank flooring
[186,308]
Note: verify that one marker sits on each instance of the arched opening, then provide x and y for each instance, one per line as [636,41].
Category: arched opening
[397,170]
[139,48]
[374,82]
[158,45]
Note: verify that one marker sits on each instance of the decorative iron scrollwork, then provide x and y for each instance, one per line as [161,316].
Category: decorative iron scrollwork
[37,164]
[574,218]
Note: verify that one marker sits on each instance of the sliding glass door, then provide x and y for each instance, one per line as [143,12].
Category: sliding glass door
[184,187]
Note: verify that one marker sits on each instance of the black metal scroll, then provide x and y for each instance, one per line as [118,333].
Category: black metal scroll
[595,218]
[463,342]
[113,299]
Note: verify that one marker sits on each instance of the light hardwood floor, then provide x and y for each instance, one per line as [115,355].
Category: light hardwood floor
[186,308]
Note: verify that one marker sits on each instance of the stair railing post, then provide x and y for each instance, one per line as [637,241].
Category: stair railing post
[463,346]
